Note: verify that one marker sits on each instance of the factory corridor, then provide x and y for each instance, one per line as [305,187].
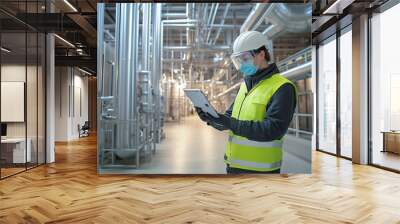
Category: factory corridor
[135,111]
[190,146]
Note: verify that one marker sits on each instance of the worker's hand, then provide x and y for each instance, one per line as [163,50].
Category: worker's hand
[219,127]
[222,120]
[203,116]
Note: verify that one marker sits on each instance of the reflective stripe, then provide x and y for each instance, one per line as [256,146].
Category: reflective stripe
[246,142]
[255,164]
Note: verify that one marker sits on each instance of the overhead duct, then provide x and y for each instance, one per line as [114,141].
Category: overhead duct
[253,17]
[281,17]
[287,18]
[300,72]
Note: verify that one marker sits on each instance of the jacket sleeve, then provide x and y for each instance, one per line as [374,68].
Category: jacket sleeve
[279,111]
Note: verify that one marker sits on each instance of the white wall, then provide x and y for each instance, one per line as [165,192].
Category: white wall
[33,126]
[70,83]
[12,73]
[62,82]
[80,84]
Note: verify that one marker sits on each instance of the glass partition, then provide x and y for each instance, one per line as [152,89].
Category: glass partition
[327,96]
[22,87]
[385,89]
[14,146]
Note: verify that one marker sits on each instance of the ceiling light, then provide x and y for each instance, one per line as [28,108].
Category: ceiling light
[337,7]
[5,50]
[84,71]
[70,5]
[65,41]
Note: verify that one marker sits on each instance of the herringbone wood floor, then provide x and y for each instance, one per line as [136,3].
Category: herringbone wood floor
[70,191]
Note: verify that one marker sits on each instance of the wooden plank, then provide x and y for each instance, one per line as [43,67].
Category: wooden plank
[70,191]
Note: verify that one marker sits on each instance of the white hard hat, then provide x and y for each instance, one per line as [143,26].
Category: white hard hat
[249,40]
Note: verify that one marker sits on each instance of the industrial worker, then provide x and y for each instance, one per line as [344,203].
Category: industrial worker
[260,115]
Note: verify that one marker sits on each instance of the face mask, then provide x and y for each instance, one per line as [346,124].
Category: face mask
[248,69]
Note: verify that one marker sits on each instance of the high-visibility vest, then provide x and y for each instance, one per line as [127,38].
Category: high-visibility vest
[250,106]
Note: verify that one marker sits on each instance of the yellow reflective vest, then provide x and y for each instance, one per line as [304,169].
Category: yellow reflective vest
[250,106]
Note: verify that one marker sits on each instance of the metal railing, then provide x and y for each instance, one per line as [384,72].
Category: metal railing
[296,130]
[298,59]
[295,60]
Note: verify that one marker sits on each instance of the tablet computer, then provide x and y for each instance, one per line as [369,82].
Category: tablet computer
[200,100]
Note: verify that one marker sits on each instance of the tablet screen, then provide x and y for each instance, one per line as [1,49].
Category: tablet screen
[200,100]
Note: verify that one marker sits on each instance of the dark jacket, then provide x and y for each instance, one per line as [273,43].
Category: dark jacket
[279,111]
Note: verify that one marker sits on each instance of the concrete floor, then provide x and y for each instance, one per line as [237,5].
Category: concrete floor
[192,147]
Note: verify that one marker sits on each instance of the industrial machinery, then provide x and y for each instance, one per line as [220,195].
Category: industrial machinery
[149,52]
[129,99]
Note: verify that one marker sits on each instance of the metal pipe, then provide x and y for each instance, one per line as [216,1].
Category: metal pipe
[219,26]
[127,67]
[187,10]
[203,48]
[205,11]
[134,56]
[145,35]
[127,63]
[183,25]
[157,68]
[267,11]
[202,62]
[189,13]
[173,48]
[117,93]
[212,21]
[135,130]
[293,18]
[257,10]
[230,89]
[210,15]
[302,54]
[299,72]
[174,15]
[180,21]
[145,75]
[222,22]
